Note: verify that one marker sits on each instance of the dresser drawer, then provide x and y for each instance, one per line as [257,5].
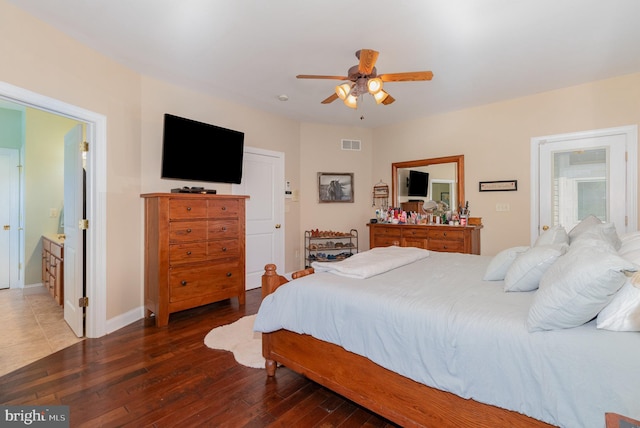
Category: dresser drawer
[181,209]
[449,246]
[56,250]
[385,241]
[224,228]
[224,208]
[191,282]
[448,234]
[381,236]
[221,248]
[388,232]
[188,252]
[415,233]
[187,231]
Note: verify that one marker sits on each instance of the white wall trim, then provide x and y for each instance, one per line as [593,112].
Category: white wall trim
[123,320]
[96,203]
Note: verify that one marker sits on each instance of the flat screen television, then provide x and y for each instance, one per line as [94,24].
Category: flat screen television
[198,151]
[418,183]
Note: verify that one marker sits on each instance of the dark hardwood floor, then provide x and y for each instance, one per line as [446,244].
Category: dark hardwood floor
[141,376]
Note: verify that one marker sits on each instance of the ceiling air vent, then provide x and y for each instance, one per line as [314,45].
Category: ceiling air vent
[350,144]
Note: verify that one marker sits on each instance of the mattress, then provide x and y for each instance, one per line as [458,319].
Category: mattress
[437,322]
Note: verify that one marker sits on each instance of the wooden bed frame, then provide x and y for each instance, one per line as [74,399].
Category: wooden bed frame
[393,396]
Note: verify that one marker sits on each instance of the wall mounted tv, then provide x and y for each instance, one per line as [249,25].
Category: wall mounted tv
[418,183]
[197,151]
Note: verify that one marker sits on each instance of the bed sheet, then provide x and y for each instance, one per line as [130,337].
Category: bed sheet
[437,322]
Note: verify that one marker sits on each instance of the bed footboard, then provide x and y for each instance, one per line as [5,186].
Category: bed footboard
[395,397]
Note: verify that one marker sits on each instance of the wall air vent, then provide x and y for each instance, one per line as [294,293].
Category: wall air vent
[350,144]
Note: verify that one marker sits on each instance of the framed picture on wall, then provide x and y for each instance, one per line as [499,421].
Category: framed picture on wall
[335,187]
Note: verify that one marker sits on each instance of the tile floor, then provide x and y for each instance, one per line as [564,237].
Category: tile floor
[32,327]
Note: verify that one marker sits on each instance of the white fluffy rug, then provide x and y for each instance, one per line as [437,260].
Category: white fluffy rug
[240,339]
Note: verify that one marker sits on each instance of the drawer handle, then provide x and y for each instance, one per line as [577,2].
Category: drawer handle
[224,228]
[188,230]
[224,208]
[188,208]
[183,282]
[188,253]
[224,249]
[228,274]
[444,233]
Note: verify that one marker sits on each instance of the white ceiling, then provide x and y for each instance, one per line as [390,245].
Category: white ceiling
[250,51]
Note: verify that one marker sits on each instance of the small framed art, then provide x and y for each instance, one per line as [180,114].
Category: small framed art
[498,186]
[335,186]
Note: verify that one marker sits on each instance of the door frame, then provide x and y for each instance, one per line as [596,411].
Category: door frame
[96,134]
[630,133]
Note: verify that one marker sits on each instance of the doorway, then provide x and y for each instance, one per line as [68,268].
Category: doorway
[578,174]
[95,319]
[9,217]
[263,181]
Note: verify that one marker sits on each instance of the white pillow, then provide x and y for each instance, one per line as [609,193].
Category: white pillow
[629,243]
[552,236]
[632,256]
[587,222]
[604,231]
[578,286]
[623,313]
[527,269]
[630,236]
[500,263]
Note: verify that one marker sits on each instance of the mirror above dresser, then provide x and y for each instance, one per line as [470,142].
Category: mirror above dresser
[443,178]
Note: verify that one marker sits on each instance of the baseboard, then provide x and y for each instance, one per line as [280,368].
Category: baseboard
[123,320]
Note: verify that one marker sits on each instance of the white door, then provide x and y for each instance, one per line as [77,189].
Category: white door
[9,218]
[73,242]
[263,181]
[586,173]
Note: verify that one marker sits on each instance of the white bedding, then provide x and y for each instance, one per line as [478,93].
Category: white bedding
[373,262]
[437,322]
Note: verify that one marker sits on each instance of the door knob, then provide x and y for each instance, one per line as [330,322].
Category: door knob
[278,226]
[7,227]
[545,227]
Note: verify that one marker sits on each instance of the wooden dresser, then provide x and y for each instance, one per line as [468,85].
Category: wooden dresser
[194,251]
[53,266]
[452,239]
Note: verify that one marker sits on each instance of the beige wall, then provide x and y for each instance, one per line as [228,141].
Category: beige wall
[261,130]
[45,61]
[41,59]
[496,138]
[44,183]
[321,151]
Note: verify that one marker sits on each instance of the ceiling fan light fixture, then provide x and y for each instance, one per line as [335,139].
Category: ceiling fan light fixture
[374,85]
[342,91]
[351,101]
[380,96]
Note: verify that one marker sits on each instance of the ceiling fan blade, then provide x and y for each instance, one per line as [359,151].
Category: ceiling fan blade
[368,60]
[388,100]
[407,77]
[330,99]
[313,76]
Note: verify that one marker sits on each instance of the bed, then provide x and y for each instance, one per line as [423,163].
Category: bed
[432,343]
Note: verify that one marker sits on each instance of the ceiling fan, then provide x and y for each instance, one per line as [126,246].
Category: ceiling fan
[363,78]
